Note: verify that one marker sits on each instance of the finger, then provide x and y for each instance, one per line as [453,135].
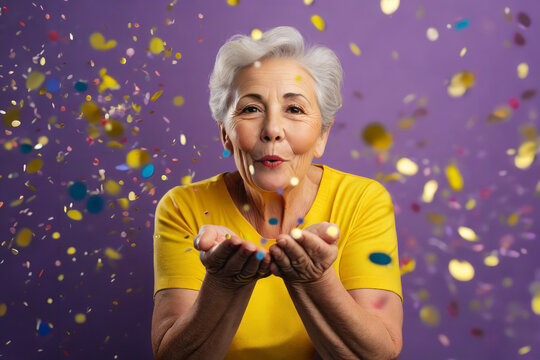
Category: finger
[240,257]
[327,231]
[312,244]
[253,263]
[205,239]
[264,266]
[298,257]
[282,260]
[218,255]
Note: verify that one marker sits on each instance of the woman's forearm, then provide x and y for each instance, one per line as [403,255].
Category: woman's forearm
[337,325]
[207,329]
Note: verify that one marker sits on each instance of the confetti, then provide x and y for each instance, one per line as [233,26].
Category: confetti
[98,42]
[380,258]
[461,270]
[77,191]
[318,22]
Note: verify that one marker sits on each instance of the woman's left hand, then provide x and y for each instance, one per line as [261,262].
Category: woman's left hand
[307,258]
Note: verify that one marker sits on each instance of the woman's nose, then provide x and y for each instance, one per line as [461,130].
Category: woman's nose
[272,127]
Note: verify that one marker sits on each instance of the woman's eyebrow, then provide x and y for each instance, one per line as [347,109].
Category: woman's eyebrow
[286,96]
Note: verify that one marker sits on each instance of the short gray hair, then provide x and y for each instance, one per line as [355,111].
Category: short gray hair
[285,42]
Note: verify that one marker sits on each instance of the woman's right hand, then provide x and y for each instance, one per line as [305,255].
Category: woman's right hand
[229,259]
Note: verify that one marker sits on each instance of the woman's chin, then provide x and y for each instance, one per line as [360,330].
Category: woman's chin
[270,182]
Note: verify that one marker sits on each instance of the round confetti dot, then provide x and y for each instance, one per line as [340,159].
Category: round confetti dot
[389,7]
[380,258]
[34,80]
[80,86]
[226,153]
[233,2]
[123,61]
[300,221]
[227,236]
[94,204]
[273,221]
[257,64]
[71,250]
[80,318]
[178,101]
[53,85]
[294,181]
[156,45]
[3,309]
[462,24]
[263,241]
[24,237]
[256,34]
[77,191]
[53,35]
[147,171]
[260,255]
[430,315]
[407,167]
[461,270]
[74,215]
[26,148]
[332,231]
[296,233]
[112,187]
[44,328]
[92,112]
[136,158]
[432,34]
[130,52]
[114,128]
[56,235]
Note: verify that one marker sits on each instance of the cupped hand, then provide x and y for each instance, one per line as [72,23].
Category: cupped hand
[228,259]
[309,256]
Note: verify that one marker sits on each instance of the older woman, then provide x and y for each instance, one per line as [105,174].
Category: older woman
[291,259]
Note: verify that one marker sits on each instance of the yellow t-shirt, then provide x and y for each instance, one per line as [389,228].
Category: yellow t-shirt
[271,327]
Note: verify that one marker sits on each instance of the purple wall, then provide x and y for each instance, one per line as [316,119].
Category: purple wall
[490,316]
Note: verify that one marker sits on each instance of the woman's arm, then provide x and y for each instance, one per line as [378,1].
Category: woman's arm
[206,330]
[338,326]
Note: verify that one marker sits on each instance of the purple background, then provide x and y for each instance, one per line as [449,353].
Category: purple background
[117,298]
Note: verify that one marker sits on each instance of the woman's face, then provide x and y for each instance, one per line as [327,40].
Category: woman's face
[267,118]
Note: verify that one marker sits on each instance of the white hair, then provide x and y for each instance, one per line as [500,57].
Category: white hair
[282,42]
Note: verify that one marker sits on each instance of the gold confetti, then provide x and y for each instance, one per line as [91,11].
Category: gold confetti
[454,177]
[318,22]
[376,136]
[461,270]
[186,180]
[3,309]
[71,250]
[80,318]
[74,215]
[24,237]
[429,315]
[156,95]
[112,254]
[92,112]
[467,233]
[523,70]
[256,34]
[524,350]
[178,100]
[430,188]
[107,82]
[156,45]
[137,158]
[354,48]
[460,83]
[407,166]
[34,166]
[526,155]
[491,260]
[114,128]
[56,235]
[97,41]
[432,34]
[112,187]
[233,2]
[535,303]
[34,80]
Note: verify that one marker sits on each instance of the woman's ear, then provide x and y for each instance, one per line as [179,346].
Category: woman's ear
[225,140]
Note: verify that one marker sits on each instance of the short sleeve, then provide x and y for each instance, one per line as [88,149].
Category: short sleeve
[176,263]
[373,231]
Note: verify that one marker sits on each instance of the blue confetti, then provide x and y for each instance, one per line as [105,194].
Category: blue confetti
[380,258]
[94,204]
[226,153]
[260,255]
[148,171]
[44,328]
[273,221]
[300,221]
[122,167]
[77,191]
[53,85]
[80,86]
[263,241]
[26,148]
[462,24]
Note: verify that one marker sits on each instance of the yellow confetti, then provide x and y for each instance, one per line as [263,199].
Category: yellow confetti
[460,83]
[136,158]
[524,350]
[156,45]
[97,41]
[178,100]
[34,166]
[132,196]
[71,250]
[80,318]
[389,7]
[461,270]
[114,128]
[92,112]
[408,267]
[156,95]
[24,237]
[74,215]
[107,82]
[186,180]
[308,2]
[60,277]
[491,260]
[454,177]
[429,315]
[513,219]
[432,34]
[318,22]
[56,235]
[296,233]
[463,52]
[535,303]
[233,2]
[467,233]
[178,56]
[112,187]
[376,136]
[526,155]
[227,236]
[11,115]
[430,188]
[123,202]
[256,34]
[354,48]
[112,254]
[523,70]
[182,139]
[407,166]
[3,309]
[34,80]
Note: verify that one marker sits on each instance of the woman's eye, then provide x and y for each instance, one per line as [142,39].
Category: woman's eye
[297,108]
[249,107]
